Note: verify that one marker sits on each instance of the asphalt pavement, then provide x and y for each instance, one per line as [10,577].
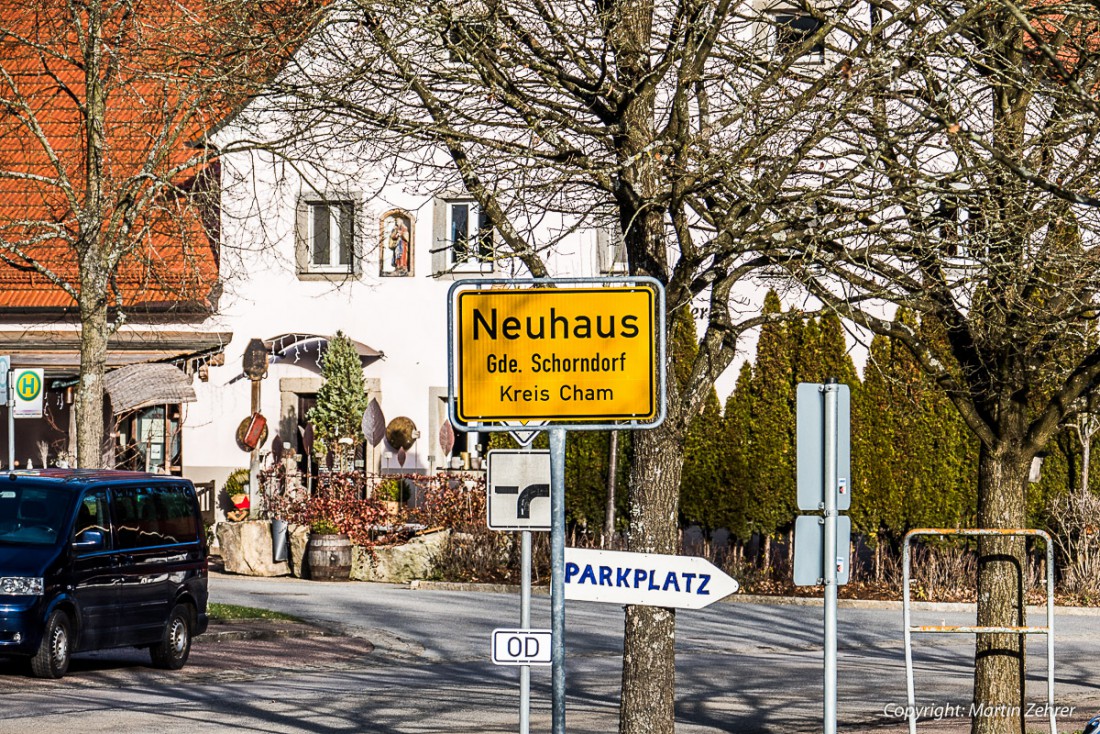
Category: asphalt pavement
[387,658]
[745,666]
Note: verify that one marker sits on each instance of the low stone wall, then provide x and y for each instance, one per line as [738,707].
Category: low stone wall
[399,564]
[246,549]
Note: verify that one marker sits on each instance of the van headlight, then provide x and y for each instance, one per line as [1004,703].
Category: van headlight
[21,585]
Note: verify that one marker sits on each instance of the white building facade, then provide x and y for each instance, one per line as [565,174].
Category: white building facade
[338,237]
[370,257]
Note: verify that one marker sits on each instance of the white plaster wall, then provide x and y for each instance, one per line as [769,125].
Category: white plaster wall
[404,317]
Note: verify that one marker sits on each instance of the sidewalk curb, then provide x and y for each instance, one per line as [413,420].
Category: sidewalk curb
[787,601]
[266,630]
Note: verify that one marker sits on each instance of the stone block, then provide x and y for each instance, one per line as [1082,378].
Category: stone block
[246,549]
[299,551]
[399,564]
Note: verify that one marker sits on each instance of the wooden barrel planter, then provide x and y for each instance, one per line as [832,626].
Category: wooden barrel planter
[329,557]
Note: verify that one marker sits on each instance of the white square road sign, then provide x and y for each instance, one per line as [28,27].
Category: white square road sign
[519,490]
[28,386]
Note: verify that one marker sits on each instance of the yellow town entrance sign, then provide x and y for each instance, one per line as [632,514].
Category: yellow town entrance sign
[556,354]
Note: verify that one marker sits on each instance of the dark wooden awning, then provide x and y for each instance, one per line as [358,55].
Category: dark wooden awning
[58,352]
[141,385]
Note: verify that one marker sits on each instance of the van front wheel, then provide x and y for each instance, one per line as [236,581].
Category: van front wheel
[175,644]
[52,658]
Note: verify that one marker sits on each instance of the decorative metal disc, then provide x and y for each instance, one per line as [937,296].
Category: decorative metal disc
[305,433]
[401,433]
[242,435]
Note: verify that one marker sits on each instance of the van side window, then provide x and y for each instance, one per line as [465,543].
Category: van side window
[175,509]
[151,516]
[92,515]
[126,517]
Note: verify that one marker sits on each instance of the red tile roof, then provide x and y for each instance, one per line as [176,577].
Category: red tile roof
[175,69]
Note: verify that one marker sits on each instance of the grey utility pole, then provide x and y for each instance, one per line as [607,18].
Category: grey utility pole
[831,389]
[557,576]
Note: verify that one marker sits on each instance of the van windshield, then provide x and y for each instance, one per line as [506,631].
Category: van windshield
[32,515]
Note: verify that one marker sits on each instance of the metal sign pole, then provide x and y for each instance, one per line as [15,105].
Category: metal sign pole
[557,576]
[517,483]
[9,401]
[11,423]
[525,623]
[831,389]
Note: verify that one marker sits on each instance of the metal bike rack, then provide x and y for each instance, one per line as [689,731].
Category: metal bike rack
[1047,630]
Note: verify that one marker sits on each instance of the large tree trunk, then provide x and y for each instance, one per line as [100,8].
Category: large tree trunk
[94,270]
[1002,577]
[649,663]
[94,330]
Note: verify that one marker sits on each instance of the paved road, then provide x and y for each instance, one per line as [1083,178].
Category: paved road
[417,661]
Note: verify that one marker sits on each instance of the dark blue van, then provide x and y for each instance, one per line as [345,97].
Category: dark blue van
[91,559]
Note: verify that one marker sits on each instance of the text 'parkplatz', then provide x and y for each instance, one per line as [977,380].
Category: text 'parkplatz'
[648,579]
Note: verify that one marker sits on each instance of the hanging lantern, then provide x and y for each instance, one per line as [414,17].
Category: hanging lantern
[255,360]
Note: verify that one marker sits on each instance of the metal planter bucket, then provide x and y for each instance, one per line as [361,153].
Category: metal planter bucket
[279,541]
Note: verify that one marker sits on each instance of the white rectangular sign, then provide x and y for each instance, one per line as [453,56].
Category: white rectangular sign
[809,550]
[28,386]
[810,447]
[519,490]
[521,647]
[615,577]
[5,368]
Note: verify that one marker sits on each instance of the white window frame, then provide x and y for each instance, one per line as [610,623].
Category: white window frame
[612,251]
[476,261]
[336,237]
[780,48]
[955,227]
[453,58]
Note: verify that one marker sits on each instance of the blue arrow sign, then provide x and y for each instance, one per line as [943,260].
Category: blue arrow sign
[649,579]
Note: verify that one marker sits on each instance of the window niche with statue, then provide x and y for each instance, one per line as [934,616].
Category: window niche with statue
[396,243]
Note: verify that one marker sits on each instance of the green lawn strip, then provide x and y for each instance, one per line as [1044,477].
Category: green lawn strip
[236,612]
